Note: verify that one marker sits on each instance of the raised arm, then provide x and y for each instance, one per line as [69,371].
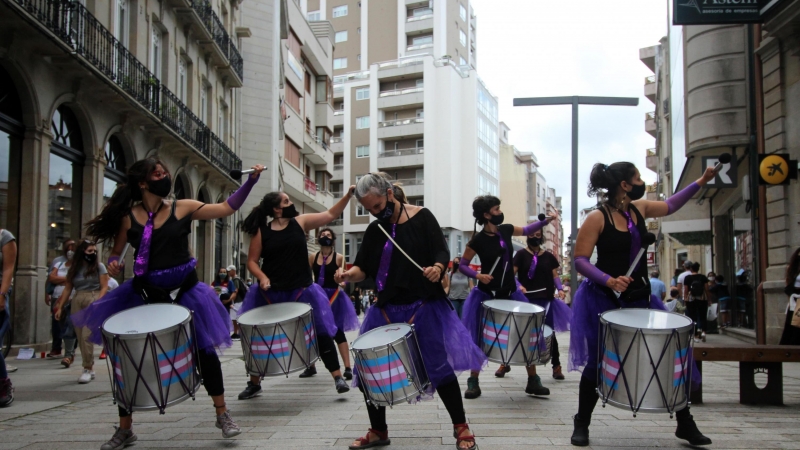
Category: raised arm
[312,221]
[212,211]
[652,208]
[533,227]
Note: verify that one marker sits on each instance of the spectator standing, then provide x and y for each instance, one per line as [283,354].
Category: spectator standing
[791,329]
[696,295]
[657,287]
[240,289]
[51,296]
[720,290]
[356,297]
[674,281]
[744,299]
[8,258]
[58,279]
[224,288]
[460,285]
[687,266]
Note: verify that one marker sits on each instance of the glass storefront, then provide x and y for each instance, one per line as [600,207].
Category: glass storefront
[65,180]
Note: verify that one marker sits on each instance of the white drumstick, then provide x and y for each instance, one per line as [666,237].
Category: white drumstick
[538,290]
[495,265]
[398,247]
[505,267]
[124,252]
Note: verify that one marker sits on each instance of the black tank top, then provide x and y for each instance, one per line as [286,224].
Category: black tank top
[330,269]
[614,247]
[169,246]
[285,256]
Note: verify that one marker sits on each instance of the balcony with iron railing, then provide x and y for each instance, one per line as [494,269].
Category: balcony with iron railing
[400,122]
[404,157]
[223,47]
[394,92]
[362,75]
[401,152]
[393,129]
[97,48]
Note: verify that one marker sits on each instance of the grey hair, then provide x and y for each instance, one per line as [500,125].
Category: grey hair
[377,183]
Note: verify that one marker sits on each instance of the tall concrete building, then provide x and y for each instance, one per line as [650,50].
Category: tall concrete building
[89,87]
[408,101]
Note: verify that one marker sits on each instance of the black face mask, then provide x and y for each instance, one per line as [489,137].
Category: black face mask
[637,192]
[497,220]
[455,266]
[160,187]
[325,241]
[289,212]
[534,242]
[387,212]
[90,258]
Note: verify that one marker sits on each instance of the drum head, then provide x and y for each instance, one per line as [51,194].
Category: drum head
[271,314]
[513,306]
[378,337]
[646,319]
[146,319]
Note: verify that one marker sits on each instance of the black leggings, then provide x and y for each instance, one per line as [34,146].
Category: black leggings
[211,370]
[450,392]
[555,353]
[328,354]
[340,338]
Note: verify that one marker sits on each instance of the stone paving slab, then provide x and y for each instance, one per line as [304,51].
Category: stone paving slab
[52,411]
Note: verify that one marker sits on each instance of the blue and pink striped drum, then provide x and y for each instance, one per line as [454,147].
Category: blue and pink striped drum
[152,357]
[278,339]
[512,332]
[390,365]
[645,360]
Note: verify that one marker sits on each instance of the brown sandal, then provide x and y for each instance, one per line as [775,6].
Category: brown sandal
[457,429]
[363,442]
[66,362]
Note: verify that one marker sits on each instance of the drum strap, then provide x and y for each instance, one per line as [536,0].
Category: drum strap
[296,297]
[410,321]
[334,296]
[155,294]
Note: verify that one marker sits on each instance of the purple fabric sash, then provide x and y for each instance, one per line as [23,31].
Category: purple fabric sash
[143,255]
[534,261]
[321,277]
[386,259]
[636,240]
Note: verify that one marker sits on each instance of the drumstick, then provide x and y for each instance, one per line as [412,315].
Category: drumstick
[505,267]
[124,252]
[495,265]
[401,250]
[538,290]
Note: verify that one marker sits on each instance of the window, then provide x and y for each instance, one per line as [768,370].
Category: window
[293,97]
[362,93]
[361,212]
[420,174]
[362,151]
[362,122]
[340,36]
[204,104]
[322,89]
[121,24]
[314,16]
[347,252]
[462,12]
[420,143]
[155,52]
[458,245]
[308,82]
[419,202]
[340,11]
[291,152]
[182,80]
[462,37]
[420,114]
[462,61]
[339,63]
[418,12]
[420,83]
[420,40]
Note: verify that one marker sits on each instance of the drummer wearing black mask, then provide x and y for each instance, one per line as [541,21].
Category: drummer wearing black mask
[616,229]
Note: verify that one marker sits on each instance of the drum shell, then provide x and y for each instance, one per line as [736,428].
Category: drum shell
[406,349]
[527,325]
[300,354]
[122,348]
[645,346]
[545,346]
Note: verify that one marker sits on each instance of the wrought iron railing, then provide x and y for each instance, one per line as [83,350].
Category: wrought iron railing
[72,23]
[220,35]
[400,122]
[401,152]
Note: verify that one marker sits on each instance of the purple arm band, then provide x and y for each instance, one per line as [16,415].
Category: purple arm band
[464,268]
[557,281]
[533,227]
[112,259]
[236,200]
[589,271]
[677,201]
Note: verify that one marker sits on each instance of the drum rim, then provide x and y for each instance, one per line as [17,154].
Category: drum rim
[386,345]
[128,336]
[485,306]
[617,326]
[308,311]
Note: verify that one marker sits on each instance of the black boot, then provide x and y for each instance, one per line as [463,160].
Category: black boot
[687,429]
[580,435]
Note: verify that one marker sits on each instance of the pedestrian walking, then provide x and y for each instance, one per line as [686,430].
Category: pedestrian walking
[58,279]
[240,291]
[697,300]
[460,287]
[51,297]
[791,327]
[8,260]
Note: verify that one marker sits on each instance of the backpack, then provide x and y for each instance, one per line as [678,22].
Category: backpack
[241,289]
[697,288]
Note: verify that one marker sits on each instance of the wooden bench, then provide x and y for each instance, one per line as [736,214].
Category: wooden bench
[752,359]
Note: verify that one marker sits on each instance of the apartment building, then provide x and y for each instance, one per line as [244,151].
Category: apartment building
[287,112]
[89,87]
[514,180]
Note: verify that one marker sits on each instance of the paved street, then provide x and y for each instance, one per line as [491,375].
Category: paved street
[52,411]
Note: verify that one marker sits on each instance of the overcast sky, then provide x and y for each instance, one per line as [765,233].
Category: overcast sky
[538,48]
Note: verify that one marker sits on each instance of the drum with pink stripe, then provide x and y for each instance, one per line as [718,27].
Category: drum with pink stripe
[151,356]
[512,333]
[278,339]
[389,364]
[645,360]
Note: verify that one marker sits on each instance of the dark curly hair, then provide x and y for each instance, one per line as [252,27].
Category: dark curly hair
[333,234]
[258,216]
[604,180]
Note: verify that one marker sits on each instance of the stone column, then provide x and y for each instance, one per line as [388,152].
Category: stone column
[31,319]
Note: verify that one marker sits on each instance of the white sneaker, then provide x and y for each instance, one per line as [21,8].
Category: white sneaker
[86,376]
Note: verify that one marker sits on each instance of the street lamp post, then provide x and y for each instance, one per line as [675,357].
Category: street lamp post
[575,100]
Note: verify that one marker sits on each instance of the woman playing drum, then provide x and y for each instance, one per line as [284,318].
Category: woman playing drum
[284,275]
[615,229]
[409,295]
[496,280]
[324,266]
[139,213]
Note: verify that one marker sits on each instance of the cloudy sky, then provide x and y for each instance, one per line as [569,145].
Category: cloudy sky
[537,48]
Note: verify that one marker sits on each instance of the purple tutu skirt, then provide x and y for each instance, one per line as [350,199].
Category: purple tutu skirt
[312,295]
[445,344]
[589,302]
[557,314]
[472,310]
[344,313]
[212,323]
